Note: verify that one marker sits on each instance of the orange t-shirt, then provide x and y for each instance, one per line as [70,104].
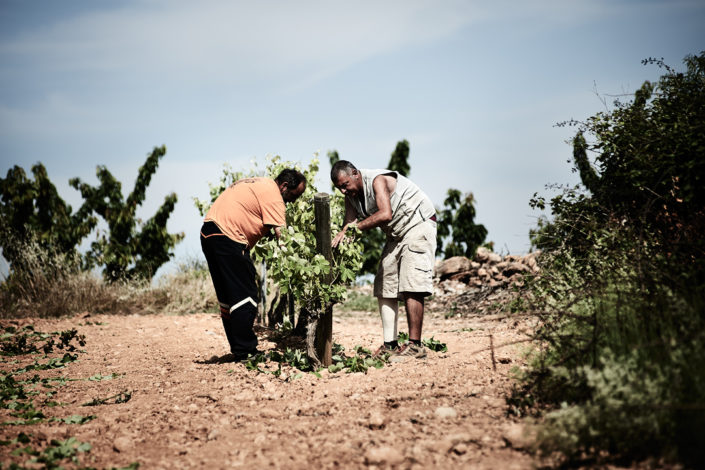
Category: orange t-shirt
[243,211]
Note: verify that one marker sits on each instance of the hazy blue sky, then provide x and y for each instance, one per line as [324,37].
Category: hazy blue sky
[475,88]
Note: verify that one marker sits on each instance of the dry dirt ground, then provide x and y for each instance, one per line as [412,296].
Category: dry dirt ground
[187,411]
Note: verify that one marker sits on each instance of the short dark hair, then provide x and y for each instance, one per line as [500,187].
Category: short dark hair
[293,178]
[341,166]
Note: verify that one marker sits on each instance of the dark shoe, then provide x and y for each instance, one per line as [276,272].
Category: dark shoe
[408,351]
[243,356]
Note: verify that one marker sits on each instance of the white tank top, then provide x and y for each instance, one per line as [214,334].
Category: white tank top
[410,205]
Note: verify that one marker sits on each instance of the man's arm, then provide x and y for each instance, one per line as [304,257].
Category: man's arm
[383,186]
[275,231]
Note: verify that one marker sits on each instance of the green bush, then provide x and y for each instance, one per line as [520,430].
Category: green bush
[619,342]
[621,408]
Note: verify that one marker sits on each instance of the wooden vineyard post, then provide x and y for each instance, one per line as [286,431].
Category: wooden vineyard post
[324,327]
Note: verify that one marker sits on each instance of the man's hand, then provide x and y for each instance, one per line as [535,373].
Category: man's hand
[341,235]
[338,238]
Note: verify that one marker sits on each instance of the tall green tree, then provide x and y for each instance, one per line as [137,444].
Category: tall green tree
[457,221]
[33,208]
[129,249]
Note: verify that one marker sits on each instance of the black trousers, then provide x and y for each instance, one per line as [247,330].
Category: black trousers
[234,279]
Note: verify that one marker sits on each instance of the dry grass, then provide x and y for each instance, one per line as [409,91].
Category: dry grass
[189,290]
[181,293]
[51,285]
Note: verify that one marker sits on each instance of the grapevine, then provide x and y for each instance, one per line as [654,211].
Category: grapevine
[292,261]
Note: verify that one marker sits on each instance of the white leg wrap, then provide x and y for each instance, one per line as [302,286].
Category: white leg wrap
[388,310]
[241,303]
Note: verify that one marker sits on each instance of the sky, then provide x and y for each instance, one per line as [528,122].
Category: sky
[475,87]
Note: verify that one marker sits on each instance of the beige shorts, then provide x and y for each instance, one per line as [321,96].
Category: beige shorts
[407,264]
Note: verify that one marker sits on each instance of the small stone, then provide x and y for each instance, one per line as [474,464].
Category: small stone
[376,420]
[383,455]
[482,254]
[516,436]
[444,412]
[453,265]
[213,435]
[494,258]
[504,358]
[460,448]
[515,268]
[122,443]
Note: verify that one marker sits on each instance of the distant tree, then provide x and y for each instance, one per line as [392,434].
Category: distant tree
[457,221]
[33,208]
[130,249]
[399,160]
[333,158]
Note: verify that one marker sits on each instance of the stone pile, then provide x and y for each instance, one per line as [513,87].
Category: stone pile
[486,270]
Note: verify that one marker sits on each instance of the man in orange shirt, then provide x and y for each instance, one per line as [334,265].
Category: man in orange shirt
[246,211]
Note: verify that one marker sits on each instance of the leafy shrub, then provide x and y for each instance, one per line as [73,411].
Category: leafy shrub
[621,322]
[627,404]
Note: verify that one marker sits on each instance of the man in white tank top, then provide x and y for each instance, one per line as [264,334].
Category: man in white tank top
[390,201]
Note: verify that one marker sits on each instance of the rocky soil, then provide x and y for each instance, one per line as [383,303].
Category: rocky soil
[189,409]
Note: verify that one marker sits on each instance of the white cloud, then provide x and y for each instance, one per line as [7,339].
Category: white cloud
[242,42]
[236,40]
